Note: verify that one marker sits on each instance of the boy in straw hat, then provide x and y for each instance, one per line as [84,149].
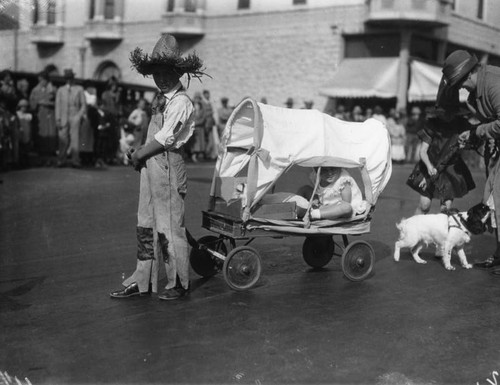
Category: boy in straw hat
[161,234]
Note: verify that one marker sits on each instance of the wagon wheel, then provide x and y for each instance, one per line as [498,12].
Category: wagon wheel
[318,251]
[204,263]
[242,268]
[357,260]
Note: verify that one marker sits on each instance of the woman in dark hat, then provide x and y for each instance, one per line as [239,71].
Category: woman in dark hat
[462,70]
[161,234]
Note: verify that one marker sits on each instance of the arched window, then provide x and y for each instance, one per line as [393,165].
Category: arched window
[106,70]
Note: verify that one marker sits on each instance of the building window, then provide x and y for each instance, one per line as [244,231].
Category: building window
[92,10]
[36,11]
[51,12]
[189,5]
[383,45]
[424,48]
[299,2]
[170,5]
[243,4]
[109,9]
[480,9]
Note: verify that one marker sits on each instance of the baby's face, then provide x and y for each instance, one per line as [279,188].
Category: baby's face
[329,174]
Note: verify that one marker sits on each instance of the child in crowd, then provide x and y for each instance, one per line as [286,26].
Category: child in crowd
[140,121]
[103,139]
[127,141]
[25,134]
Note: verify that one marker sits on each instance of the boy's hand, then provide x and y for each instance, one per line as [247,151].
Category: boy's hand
[137,163]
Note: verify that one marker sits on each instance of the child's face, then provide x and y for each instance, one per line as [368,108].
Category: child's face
[329,174]
[165,80]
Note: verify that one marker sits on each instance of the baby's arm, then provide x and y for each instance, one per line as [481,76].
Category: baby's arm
[340,209]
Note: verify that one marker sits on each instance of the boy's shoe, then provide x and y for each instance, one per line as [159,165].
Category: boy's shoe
[173,293]
[130,291]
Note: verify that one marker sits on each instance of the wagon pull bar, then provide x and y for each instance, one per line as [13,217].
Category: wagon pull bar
[196,245]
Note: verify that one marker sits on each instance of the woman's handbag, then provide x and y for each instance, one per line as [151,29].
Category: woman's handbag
[420,172]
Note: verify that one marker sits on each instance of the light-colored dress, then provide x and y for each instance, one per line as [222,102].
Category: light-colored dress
[332,194]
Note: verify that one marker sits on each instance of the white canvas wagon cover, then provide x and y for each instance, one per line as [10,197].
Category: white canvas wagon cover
[270,139]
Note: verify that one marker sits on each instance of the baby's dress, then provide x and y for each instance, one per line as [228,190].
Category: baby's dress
[332,194]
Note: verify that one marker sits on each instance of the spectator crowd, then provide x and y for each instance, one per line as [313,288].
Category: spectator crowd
[72,125]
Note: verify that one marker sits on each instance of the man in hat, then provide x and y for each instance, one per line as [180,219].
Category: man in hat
[462,70]
[161,234]
[70,109]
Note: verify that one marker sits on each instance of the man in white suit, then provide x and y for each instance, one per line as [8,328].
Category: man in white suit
[71,108]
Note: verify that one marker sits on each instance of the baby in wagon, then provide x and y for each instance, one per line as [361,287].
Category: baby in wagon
[337,196]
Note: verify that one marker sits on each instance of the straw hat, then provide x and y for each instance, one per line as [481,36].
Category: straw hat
[166,56]
[457,65]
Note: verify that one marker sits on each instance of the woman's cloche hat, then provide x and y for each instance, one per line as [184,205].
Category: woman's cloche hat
[457,65]
[166,56]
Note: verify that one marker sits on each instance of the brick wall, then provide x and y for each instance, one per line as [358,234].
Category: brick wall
[274,55]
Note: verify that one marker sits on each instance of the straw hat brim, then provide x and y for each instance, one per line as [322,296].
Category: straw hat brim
[147,65]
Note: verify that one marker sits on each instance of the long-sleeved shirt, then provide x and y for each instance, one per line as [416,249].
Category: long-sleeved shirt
[178,119]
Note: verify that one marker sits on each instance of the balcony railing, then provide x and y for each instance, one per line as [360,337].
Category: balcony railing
[104,31]
[180,23]
[47,34]
[434,13]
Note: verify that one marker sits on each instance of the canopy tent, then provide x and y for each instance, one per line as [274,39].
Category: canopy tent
[424,82]
[379,77]
[364,78]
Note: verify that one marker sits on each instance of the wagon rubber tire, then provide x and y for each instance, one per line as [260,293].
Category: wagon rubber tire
[357,261]
[202,262]
[242,268]
[318,251]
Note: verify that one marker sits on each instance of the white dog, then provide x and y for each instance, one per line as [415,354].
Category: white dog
[447,232]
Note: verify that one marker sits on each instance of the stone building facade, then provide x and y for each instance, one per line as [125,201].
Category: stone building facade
[259,48]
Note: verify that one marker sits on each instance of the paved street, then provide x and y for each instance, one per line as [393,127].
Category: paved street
[67,237]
